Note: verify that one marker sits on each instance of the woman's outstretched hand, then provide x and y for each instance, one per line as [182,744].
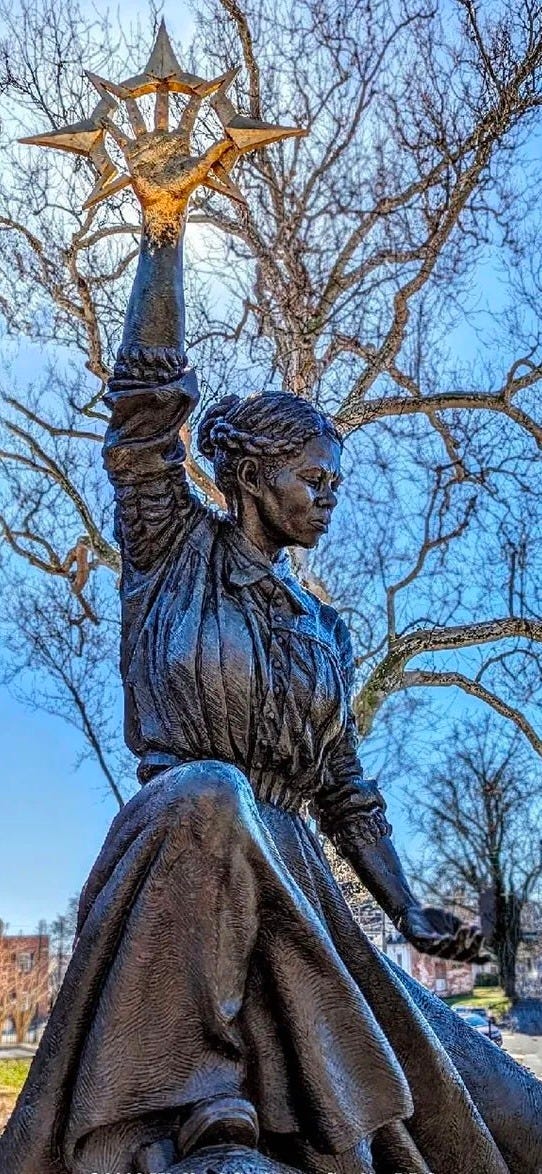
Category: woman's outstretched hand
[437,932]
[431,931]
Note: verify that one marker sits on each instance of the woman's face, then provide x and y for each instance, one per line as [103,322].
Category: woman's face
[295,504]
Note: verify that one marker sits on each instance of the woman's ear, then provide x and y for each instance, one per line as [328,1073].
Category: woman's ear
[249,476]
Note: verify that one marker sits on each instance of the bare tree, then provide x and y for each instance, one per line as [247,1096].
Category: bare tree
[481,815]
[61,938]
[24,981]
[348,280]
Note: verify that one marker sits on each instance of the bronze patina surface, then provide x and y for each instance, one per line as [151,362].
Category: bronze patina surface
[223,1013]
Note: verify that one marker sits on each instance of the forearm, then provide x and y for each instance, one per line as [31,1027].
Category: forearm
[153,389]
[379,868]
[353,814]
[155,318]
[150,396]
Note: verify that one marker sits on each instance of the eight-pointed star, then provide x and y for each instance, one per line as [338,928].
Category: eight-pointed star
[162,75]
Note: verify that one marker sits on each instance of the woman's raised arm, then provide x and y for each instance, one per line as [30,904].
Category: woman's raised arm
[151,394]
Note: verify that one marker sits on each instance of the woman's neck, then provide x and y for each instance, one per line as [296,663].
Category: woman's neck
[252,527]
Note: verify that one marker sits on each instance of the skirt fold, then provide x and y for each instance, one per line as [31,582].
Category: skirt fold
[216,956]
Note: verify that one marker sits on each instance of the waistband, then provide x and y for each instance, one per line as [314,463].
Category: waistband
[268,787]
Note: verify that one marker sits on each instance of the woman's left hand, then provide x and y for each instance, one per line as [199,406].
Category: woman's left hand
[437,932]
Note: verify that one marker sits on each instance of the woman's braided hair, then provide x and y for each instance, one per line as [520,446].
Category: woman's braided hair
[270,426]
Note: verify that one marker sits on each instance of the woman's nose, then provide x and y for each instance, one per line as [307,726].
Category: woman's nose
[327,498]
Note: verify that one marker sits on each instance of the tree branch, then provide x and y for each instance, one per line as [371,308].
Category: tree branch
[490,131]
[52,469]
[251,65]
[385,407]
[388,675]
[418,678]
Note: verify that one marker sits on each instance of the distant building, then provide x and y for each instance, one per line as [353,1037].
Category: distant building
[529,957]
[436,974]
[25,995]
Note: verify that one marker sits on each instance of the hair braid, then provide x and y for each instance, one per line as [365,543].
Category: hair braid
[268,426]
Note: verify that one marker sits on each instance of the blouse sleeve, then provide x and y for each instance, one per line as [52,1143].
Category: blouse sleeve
[150,396]
[350,808]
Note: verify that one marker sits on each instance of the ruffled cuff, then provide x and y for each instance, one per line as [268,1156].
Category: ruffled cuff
[149,365]
[361,828]
[352,812]
[150,397]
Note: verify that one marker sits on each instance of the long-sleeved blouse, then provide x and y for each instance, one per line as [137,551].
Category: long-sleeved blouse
[224,654]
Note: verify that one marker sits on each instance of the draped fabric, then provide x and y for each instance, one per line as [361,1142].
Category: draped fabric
[215,954]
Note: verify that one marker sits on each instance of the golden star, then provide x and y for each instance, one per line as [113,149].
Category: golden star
[159,163]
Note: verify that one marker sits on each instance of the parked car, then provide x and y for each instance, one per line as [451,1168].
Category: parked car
[481,1021]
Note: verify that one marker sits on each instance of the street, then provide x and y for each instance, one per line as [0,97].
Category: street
[525,1048]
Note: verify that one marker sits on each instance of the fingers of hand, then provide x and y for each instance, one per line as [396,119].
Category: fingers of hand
[470,942]
[438,945]
[466,945]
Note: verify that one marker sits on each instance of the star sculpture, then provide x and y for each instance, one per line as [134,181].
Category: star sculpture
[159,163]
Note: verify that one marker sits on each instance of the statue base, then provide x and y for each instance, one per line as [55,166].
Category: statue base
[229,1159]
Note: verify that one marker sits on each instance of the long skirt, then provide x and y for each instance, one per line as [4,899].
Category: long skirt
[215,957]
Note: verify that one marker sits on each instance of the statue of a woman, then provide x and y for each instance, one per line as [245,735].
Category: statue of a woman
[221,998]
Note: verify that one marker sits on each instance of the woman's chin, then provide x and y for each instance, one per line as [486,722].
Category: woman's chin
[312,538]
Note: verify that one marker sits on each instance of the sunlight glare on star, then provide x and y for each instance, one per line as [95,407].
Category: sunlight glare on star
[155,158]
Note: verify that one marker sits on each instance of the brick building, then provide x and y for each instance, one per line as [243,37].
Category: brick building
[24,983]
[437,975]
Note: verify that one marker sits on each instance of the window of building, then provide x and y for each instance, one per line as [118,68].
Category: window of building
[440,977]
[26,961]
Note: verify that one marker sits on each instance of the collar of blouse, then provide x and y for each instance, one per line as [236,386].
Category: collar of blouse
[245,565]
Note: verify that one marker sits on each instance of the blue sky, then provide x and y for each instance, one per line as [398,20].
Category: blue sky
[52,819]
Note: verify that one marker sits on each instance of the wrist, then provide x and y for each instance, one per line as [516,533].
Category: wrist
[155,318]
[379,868]
[401,918]
[164,220]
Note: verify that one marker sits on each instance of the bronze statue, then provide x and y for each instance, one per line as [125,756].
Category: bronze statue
[223,1011]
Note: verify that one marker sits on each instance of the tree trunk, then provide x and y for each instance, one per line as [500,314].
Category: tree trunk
[507,939]
[501,923]
[506,956]
[22,1020]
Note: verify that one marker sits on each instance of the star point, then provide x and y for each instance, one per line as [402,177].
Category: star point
[247,133]
[159,162]
[162,62]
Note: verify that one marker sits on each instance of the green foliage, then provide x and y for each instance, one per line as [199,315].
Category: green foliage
[483,998]
[13,1074]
